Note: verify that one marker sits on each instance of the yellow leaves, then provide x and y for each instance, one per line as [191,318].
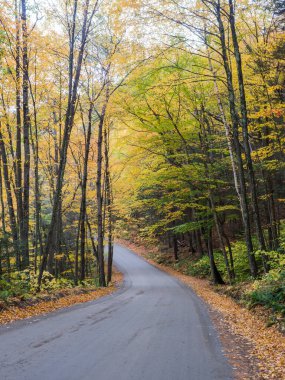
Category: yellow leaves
[262,153]
[268,112]
[59,256]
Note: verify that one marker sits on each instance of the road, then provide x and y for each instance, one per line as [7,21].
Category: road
[154,328]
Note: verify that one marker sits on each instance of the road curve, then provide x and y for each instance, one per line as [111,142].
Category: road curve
[154,328]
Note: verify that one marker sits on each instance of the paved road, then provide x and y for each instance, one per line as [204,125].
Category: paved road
[152,329]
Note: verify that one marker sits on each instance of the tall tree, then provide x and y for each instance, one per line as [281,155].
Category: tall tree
[26,133]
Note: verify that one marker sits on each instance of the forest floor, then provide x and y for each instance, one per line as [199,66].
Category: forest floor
[255,350]
[44,302]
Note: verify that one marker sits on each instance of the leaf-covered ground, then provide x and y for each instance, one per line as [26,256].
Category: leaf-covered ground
[46,303]
[255,351]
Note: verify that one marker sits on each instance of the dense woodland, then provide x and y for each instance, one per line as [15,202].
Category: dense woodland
[161,122]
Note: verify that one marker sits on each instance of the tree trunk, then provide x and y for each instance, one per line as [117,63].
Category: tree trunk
[175,248]
[11,210]
[109,207]
[244,123]
[216,276]
[26,132]
[35,149]
[83,199]
[236,142]
[226,126]
[18,172]
[100,237]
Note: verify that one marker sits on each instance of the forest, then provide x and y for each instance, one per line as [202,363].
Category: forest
[158,122]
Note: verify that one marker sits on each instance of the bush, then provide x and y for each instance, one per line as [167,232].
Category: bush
[276,259]
[5,290]
[269,291]
[18,285]
[24,283]
[199,268]
[49,282]
[241,265]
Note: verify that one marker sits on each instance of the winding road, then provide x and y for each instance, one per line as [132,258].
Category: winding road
[153,328]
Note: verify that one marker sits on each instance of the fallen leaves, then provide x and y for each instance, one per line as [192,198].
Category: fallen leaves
[58,300]
[266,345]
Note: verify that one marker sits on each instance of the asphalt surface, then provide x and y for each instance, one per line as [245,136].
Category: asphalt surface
[154,328]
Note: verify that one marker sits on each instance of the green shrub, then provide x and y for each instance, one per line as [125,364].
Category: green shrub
[88,282]
[5,290]
[199,268]
[49,282]
[241,265]
[15,287]
[24,283]
[276,259]
[269,291]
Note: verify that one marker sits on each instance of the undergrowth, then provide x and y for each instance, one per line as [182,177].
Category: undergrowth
[23,284]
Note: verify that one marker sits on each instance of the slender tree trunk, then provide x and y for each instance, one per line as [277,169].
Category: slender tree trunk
[200,248]
[244,123]
[95,252]
[216,276]
[2,202]
[175,248]
[76,264]
[18,173]
[11,210]
[272,213]
[26,132]
[109,205]
[4,245]
[84,189]
[237,147]
[206,149]
[230,251]
[230,271]
[226,126]
[35,150]
[99,192]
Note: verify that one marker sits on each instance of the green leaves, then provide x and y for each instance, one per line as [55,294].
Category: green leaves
[191,226]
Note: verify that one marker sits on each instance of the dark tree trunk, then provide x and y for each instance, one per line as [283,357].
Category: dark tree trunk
[76,264]
[38,242]
[3,223]
[18,172]
[109,207]
[99,192]
[216,276]
[11,210]
[83,199]
[95,252]
[26,132]
[199,243]
[175,248]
